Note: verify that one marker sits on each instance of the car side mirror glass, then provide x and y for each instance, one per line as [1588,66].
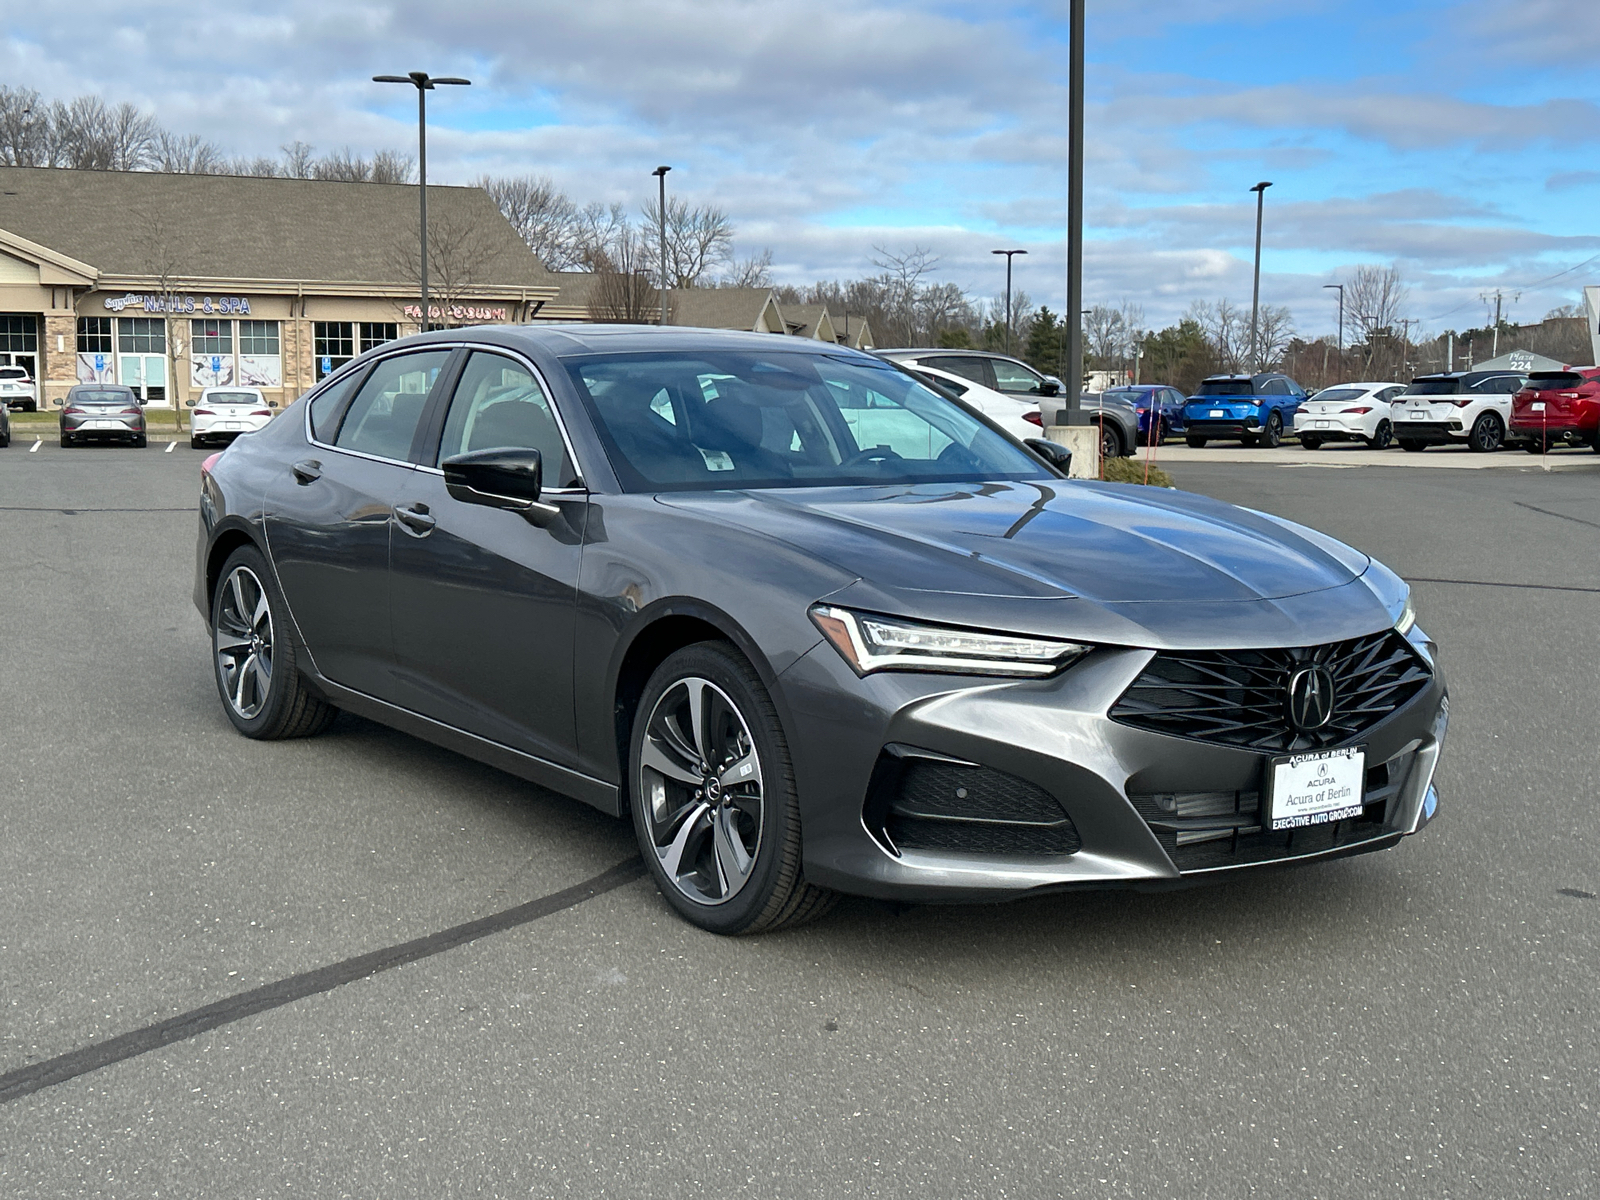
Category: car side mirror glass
[497,478]
[190,403]
[1057,456]
[272,404]
[1049,387]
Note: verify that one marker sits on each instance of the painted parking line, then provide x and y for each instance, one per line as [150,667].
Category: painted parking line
[171,446]
[37,442]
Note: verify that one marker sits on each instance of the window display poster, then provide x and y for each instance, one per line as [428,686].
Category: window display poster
[261,370]
[95,368]
[211,370]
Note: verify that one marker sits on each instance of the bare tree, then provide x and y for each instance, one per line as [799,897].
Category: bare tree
[460,253]
[261,166]
[1373,299]
[699,239]
[392,166]
[1104,335]
[900,284]
[298,161]
[543,216]
[1275,329]
[622,290]
[89,136]
[1227,329]
[755,271]
[191,155]
[600,231]
[24,128]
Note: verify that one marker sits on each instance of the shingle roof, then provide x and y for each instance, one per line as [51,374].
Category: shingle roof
[803,319]
[242,227]
[719,308]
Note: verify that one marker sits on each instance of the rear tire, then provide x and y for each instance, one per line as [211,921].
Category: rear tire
[1412,445]
[1311,443]
[1488,434]
[253,655]
[62,441]
[1272,436]
[713,796]
[1193,442]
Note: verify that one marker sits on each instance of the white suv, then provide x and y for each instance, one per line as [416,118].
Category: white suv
[17,389]
[221,414]
[1458,406]
[1348,412]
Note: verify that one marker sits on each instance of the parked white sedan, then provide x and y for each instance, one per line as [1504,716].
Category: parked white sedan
[1017,415]
[221,414]
[1348,412]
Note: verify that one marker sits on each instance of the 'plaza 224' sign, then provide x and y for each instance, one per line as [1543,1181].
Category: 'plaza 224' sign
[180,304]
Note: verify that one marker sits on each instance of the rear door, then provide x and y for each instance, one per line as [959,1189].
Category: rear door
[485,601]
[329,517]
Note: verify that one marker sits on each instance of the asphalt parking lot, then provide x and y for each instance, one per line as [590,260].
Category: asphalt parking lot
[1419,1021]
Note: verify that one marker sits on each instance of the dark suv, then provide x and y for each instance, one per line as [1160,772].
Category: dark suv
[1256,409]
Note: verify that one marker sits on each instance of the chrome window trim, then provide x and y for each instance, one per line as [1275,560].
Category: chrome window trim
[487,347]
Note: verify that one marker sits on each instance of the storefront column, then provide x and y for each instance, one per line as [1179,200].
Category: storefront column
[58,357]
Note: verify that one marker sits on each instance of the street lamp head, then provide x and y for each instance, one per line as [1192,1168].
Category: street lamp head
[391,79]
[661,171]
[1008,252]
[1263,186]
[420,80]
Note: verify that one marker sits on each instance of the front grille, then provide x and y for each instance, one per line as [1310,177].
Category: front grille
[1240,697]
[1205,831]
[917,802]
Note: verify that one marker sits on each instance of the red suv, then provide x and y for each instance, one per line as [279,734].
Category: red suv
[1558,407]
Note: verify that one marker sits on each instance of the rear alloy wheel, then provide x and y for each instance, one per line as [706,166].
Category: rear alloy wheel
[1193,442]
[1487,433]
[1412,445]
[1309,442]
[1381,436]
[713,796]
[1110,442]
[1272,435]
[254,659]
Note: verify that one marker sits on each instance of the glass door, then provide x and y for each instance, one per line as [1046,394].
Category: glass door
[146,374]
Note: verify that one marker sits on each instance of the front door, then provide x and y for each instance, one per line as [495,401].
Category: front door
[484,601]
[146,374]
[329,517]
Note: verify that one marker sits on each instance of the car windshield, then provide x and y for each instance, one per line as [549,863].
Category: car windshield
[102,397]
[1338,394]
[1434,387]
[685,421]
[12,373]
[1226,387]
[232,398]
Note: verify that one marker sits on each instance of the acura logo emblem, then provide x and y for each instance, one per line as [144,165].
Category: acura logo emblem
[1310,696]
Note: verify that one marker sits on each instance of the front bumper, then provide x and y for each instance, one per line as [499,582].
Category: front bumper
[1054,735]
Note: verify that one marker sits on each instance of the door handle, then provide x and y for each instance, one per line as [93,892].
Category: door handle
[307,470]
[415,519]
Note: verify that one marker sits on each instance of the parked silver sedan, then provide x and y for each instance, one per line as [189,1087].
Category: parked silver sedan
[102,412]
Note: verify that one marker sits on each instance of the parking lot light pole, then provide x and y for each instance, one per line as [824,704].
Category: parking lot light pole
[1260,190]
[424,83]
[661,213]
[1339,287]
[1009,254]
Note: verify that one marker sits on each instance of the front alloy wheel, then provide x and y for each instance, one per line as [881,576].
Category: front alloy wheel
[243,643]
[713,796]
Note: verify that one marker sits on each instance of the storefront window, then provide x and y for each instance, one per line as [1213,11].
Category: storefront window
[333,343]
[94,335]
[141,335]
[212,337]
[259,361]
[19,342]
[376,333]
[211,354]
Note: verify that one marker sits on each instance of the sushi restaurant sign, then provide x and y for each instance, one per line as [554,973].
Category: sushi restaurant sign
[457,312]
[151,303]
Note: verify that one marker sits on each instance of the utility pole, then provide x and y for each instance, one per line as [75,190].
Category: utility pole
[1405,340]
[1260,190]
[661,174]
[1449,351]
[1499,296]
[1339,287]
[1074,363]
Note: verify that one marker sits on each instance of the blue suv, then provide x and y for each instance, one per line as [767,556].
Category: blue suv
[1147,398]
[1256,409]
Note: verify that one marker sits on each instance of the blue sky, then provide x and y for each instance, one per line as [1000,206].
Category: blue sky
[1454,140]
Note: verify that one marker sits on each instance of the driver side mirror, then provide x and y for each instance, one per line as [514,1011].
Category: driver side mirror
[1050,387]
[190,403]
[1057,456]
[500,478]
[272,404]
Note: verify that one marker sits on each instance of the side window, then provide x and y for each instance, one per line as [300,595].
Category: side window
[383,417]
[328,404]
[1014,378]
[949,385]
[499,404]
[1511,384]
[967,368]
[1274,387]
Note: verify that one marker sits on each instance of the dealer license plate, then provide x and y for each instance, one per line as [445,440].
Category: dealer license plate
[1317,787]
[104,425]
[1217,412]
[232,425]
[1324,424]
[1419,414]
[1536,406]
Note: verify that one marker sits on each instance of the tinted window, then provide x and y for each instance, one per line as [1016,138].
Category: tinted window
[1544,380]
[12,373]
[743,419]
[499,403]
[950,385]
[1388,394]
[967,368]
[383,417]
[1274,387]
[1014,377]
[325,408]
[1509,384]
[1339,394]
[101,396]
[1226,387]
[1433,387]
[232,398]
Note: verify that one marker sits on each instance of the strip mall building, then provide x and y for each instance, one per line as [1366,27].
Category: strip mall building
[172,283]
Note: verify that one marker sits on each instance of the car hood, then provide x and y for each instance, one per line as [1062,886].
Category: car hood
[1123,564]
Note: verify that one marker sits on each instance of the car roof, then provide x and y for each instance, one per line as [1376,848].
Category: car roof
[909,352]
[569,339]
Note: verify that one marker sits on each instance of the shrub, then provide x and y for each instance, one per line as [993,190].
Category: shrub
[1132,470]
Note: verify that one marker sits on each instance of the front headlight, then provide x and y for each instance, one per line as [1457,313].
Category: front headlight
[869,642]
[1407,617]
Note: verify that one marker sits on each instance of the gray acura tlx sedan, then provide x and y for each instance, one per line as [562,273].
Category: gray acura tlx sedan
[811,626]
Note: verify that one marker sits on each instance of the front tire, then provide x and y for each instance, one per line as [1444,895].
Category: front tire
[713,796]
[1488,434]
[1381,436]
[253,658]
[1110,442]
